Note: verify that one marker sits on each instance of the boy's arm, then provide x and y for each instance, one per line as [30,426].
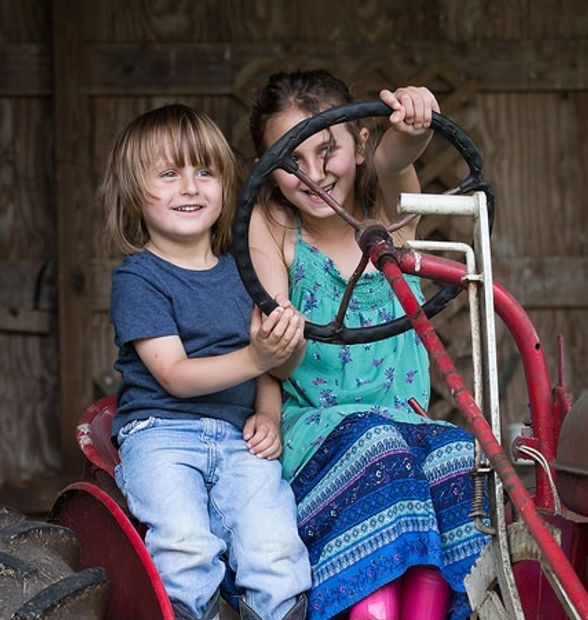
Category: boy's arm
[273,341]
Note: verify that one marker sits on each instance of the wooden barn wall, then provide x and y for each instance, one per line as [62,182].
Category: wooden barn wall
[74,72]
[29,362]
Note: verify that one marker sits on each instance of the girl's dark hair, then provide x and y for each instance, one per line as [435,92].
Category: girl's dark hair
[311,92]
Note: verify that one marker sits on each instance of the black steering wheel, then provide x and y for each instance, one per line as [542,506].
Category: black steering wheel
[280,156]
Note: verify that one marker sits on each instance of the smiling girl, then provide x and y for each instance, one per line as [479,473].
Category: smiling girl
[383,494]
[198,419]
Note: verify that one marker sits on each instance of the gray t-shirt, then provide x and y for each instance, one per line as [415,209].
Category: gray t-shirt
[209,310]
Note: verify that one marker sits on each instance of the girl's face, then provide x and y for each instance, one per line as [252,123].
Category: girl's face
[185,202]
[330,159]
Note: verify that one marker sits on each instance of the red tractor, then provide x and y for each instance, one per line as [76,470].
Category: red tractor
[535,566]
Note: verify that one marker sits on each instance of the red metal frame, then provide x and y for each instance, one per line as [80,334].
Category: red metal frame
[392,262]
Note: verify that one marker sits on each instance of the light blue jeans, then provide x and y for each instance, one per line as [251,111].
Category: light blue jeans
[201,494]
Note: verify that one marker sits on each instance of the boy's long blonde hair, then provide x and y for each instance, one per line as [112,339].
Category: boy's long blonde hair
[181,135]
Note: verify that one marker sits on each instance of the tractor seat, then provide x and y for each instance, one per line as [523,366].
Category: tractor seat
[93,436]
[572,458]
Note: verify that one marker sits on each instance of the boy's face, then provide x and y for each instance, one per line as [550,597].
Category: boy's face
[184,202]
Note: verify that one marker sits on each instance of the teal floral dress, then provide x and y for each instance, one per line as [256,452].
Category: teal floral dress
[379,488]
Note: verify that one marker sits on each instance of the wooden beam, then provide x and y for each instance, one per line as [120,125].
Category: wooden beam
[27,284]
[101,283]
[16,320]
[514,66]
[495,65]
[25,70]
[550,282]
[189,69]
[74,194]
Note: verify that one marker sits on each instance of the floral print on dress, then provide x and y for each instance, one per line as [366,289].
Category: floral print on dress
[298,273]
[310,302]
[328,399]
[389,378]
[344,379]
[345,355]
[410,376]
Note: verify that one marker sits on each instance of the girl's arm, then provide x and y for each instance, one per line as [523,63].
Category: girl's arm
[402,144]
[262,429]
[268,246]
[273,341]
[267,241]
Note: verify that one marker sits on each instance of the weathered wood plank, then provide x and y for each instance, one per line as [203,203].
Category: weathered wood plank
[549,324]
[553,282]
[29,438]
[27,284]
[74,203]
[25,21]
[513,19]
[25,70]
[29,435]
[336,21]
[535,149]
[495,65]
[27,228]
[25,321]
[227,21]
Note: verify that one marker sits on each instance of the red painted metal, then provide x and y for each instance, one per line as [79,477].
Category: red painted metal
[93,435]
[390,261]
[525,336]
[109,539]
[562,402]
[572,458]
[537,596]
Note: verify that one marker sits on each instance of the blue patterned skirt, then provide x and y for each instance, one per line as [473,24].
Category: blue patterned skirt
[381,496]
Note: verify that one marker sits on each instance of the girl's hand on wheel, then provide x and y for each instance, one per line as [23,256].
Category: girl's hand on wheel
[413,108]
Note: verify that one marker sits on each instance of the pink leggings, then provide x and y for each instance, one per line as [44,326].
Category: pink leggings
[420,594]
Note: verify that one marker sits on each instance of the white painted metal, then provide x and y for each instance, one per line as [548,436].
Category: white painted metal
[472,278]
[443,204]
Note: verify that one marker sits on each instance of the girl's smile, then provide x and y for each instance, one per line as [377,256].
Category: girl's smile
[188,209]
[315,198]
